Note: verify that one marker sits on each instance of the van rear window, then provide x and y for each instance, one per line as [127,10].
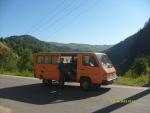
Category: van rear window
[48,59]
[39,60]
[53,59]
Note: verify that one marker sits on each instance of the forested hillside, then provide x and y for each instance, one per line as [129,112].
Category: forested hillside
[27,41]
[125,53]
[16,52]
[82,47]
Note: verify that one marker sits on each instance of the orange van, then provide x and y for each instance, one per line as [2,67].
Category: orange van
[88,68]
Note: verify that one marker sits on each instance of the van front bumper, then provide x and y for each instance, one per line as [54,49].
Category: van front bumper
[105,82]
[110,79]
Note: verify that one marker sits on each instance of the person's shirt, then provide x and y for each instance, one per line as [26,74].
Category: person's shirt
[61,67]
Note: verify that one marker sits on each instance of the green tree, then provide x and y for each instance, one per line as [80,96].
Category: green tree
[26,60]
[8,61]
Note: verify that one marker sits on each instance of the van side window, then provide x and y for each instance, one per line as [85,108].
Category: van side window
[39,60]
[48,59]
[54,59]
[89,61]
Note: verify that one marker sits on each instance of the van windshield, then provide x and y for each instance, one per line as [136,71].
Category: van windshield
[104,60]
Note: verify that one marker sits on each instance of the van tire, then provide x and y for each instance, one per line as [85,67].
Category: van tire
[85,83]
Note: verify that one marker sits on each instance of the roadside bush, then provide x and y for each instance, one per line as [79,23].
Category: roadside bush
[131,74]
[140,65]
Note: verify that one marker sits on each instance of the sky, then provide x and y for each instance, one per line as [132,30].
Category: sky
[74,21]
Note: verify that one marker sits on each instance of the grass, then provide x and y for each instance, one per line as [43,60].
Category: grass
[138,81]
[18,73]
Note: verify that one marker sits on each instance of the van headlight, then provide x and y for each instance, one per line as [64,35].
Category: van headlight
[111,76]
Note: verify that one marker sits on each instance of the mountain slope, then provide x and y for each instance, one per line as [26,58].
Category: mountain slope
[124,53]
[83,47]
[27,41]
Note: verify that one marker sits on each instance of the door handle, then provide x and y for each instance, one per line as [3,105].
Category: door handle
[81,69]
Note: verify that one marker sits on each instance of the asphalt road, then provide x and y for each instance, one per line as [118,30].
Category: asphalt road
[28,95]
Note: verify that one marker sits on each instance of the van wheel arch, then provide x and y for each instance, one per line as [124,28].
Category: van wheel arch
[85,83]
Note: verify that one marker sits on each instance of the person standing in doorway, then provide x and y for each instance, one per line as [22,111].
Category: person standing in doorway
[62,72]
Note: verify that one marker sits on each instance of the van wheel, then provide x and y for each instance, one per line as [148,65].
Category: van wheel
[47,82]
[85,83]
